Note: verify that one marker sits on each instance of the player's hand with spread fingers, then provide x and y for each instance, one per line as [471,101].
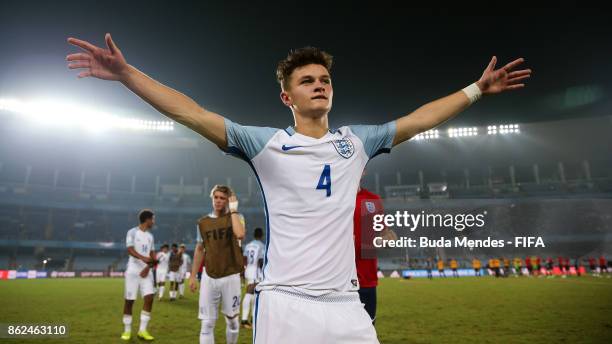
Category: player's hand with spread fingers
[504,79]
[107,64]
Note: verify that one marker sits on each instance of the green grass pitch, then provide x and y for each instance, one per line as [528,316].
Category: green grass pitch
[464,310]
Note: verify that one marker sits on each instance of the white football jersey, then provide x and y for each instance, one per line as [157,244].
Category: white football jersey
[254,251]
[309,188]
[143,244]
[163,258]
[186,263]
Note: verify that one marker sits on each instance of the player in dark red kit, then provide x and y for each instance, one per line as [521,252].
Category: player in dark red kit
[603,265]
[528,265]
[592,265]
[367,205]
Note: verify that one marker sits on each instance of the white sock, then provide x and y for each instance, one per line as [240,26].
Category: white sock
[246,305]
[231,330]
[207,332]
[127,323]
[144,320]
[182,289]
[161,291]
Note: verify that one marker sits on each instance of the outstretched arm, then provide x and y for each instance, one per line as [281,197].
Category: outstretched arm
[110,64]
[439,111]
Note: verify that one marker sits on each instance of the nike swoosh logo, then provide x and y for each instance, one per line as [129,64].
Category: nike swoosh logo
[286,148]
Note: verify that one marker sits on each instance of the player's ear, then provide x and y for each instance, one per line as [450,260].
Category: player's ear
[285,99]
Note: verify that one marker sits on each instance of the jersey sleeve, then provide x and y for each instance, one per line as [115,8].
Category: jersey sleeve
[152,243]
[246,142]
[376,139]
[129,239]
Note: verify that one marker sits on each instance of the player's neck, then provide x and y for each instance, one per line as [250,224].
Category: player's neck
[143,227]
[315,127]
[219,213]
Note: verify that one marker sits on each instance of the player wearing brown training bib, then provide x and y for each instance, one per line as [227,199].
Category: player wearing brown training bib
[218,235]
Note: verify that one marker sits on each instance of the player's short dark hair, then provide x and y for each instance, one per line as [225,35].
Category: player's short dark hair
[174,245]
[258,233]
[299,58]
[145,214]
[165,245]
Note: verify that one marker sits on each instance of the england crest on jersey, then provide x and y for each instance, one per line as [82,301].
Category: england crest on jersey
[344,147]
[370,207]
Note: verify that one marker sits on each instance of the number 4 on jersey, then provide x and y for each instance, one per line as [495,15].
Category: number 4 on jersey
[325,180]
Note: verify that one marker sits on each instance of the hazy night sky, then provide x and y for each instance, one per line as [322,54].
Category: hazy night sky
[387,60]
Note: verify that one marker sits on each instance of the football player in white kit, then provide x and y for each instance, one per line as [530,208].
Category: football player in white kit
[186,266]
[309,176]
[253,261]
[161,272]
[138,277]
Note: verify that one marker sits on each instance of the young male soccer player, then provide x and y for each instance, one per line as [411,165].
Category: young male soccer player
[218,234]
[185,266]
[429,267]
[453,265]
[174,265]
[441,272]
[367,205]
[161,271]
[476,266]
[253,261]
[141,249]
[309,175]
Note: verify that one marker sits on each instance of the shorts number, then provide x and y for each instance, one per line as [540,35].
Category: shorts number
[251,255]
[325,180]
[236,302]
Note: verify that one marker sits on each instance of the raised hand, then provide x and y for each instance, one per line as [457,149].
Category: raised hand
[107,64]
[233,203]
[504,79]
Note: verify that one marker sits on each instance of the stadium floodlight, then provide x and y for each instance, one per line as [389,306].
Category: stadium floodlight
[503,129]
[462,132]
[65,114]
[428,135]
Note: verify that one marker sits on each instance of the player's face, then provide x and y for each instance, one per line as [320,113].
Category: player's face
[150,222]
[310,91]
[219,201]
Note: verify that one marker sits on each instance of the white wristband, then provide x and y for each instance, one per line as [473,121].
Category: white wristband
[233,206]
[473,93]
